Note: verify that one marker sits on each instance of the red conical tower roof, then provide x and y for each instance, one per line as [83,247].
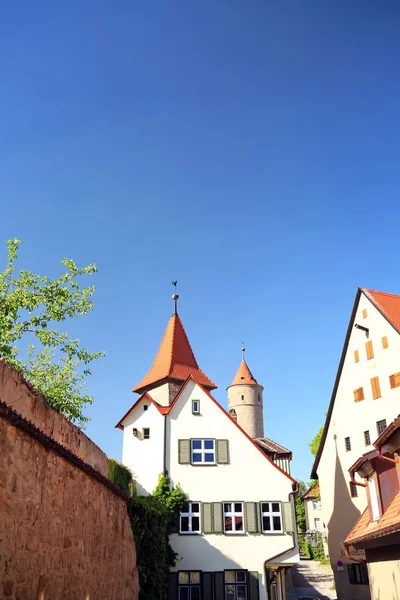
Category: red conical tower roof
[174,360]
[244,375]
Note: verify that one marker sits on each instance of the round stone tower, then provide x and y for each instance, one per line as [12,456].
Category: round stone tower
[245,401]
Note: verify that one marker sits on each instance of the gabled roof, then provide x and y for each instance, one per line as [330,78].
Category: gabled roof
[244,376]
[174,360]
[271,446]
[162,409]
[312,492]
[365,529]
[389,307]
[167,409]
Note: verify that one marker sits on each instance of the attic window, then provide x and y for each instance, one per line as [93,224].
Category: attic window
[146,433]
[196,407]
[364,313]
[145,406]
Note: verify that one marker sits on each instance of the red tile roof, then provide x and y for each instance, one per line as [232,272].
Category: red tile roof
[365,530]
[174,360]
[312,492]
[244,375]
[271,446]
[387,304]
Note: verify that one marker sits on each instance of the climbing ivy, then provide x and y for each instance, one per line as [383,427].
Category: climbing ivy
[153,519]
[121,476]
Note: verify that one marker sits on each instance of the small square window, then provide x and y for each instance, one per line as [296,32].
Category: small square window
[145,406]
[146,433]
[196,407]
[347,444]
[381,426]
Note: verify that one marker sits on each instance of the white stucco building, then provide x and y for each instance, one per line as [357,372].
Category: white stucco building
[237,538]
[365,399]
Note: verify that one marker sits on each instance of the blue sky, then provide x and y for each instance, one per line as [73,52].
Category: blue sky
[247,149]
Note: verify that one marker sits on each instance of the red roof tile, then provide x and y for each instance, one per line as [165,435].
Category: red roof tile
[365,529]
[312,492]
[244,375]
[388,304]
[174,360]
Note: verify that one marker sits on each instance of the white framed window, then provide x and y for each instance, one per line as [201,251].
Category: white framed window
[373,494]
[235,585]
[316,505]
[196,407]
[190,520]
[271,517]
[233,517]
[203,452]
[317,523]
[189,585]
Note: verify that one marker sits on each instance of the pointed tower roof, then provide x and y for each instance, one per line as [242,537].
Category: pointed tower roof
[244,375]
[174,360]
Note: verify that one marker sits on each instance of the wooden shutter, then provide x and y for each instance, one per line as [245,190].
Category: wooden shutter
[394,380]
[385,342]
[356,356]
[287,514]
[253,586]
[376,388]
[358,394]
[370,350]
[207,585]
[218,526]
[184,452]
[250,509]
[173,586]
[219,586]
[222,452]
[364,313]
[207,521]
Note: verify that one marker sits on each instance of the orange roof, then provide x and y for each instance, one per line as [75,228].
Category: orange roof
[312,492]
[174,360]
[244,375]
[365,529]
[387,304]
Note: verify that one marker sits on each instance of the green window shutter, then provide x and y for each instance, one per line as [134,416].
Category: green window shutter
[207,584]
[207,521]
[251,520]
[219,586]
[217,512]
[173,586]
[253,586]
[287,516]
[184,452]
[222,452]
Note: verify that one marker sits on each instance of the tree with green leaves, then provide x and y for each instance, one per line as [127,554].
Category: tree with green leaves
[300,509]
[31,306]
[315,442]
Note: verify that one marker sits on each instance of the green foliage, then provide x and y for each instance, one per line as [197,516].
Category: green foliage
[153,519]
[300,509]
[121,476]
[30,306]
[314,444]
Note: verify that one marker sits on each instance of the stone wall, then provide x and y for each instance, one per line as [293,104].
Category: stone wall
[65,533]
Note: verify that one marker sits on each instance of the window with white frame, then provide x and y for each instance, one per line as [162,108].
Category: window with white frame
[317,523]
[316,505]
[233,517]
[189,585]
[235,585]
[190,520]
[271,517]
[203,452]
[196,407]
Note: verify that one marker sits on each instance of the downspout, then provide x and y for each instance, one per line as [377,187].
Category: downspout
[356,482]
[386,458]
[165,446]
[350,557]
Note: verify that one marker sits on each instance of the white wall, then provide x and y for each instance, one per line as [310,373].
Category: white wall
[351,419]
[144,457]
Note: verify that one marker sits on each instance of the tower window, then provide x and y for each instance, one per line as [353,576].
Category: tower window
[259,398]
[242,397]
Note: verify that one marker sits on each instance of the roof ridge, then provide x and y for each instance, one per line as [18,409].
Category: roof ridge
[369,290]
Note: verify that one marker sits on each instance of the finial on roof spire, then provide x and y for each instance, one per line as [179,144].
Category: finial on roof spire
[243,350]
[175,297]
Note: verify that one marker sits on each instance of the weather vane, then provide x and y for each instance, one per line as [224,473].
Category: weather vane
[175,297]
[243,350]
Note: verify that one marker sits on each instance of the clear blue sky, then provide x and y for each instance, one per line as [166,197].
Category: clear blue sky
[248,149]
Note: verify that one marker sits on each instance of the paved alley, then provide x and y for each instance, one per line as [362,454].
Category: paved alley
[309,578]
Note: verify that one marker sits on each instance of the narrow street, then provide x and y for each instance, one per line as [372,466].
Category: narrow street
[310,579]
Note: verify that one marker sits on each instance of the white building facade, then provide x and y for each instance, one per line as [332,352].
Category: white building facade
[237,538]
[365,398]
